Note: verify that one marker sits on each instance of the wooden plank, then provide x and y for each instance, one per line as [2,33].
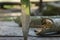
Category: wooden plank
[44,0]
[15,2]
[10,14]
[30,38]
[19,1]
[9,0]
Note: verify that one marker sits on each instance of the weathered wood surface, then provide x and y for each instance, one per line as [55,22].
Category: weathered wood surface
[30,38]
[15,30]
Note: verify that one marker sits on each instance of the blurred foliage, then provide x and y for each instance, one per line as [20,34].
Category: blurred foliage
[12,6]
[25,4]
[6,19]
[51,11]
[8,6]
